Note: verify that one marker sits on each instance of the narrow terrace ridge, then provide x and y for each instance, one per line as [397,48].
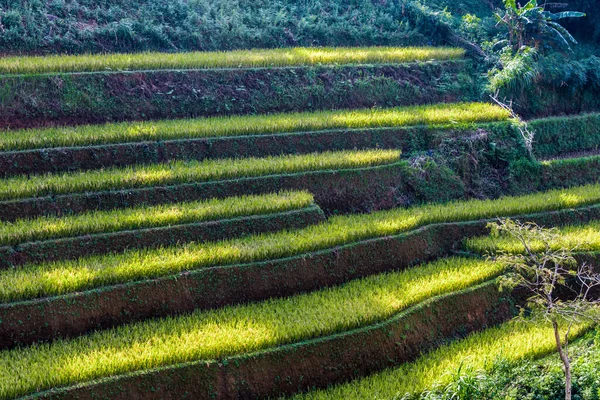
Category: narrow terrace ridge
[128,132]
[257,58]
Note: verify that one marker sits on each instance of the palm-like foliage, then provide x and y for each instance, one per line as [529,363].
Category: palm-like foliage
[532,25]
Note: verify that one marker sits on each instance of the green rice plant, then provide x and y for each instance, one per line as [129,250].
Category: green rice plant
[512,342]
[206,335]
[43,228]
[256,58]
[176,172]
[586,238]
[440,114]
[67,276]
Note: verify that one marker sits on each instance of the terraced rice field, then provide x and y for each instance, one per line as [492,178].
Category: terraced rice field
[235,330]
[432,115]
[129,273]
[54,278]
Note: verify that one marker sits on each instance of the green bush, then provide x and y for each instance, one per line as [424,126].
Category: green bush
[542,85]
[435,183]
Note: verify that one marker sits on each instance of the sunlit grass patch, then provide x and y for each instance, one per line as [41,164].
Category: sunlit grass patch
[585,238]
[67,276]
[440,114]
[43,228]
[234,330]
[187,171]
[284,57]
[512,342]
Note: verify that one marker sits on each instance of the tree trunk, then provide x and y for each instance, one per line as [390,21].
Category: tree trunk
[565,360]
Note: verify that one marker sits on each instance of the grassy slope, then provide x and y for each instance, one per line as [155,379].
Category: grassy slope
[188,171]
[68,276]
[233,330]
[147,217]
[290,57]
[440,114]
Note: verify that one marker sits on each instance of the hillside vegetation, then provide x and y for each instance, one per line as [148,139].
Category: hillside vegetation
[116,25]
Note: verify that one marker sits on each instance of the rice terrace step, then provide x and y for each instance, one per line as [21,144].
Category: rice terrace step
[35,151]
[350,178]
[49,239]
[59,90]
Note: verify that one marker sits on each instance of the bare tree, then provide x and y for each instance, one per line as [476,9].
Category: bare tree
[527,134]
[561,290]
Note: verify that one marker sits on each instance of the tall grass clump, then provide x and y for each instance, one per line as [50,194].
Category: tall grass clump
[67,276]
[256,58]
[206,335]
[176,172]
[585,238]
[510,342]
[439,114]
[150,216]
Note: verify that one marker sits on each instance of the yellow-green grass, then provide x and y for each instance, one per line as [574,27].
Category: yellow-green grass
[61,277]
[513,341]
[256,58]
[584,238]
[206,335]
[176,172]
[42,228]
[434,115]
